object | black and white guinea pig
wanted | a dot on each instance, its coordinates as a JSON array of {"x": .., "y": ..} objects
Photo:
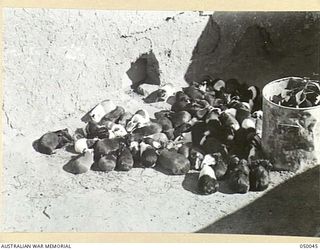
[
  {"x": 195, "y": 156},
  {"x": 124, "y": 118},
  {"x": 83, "y": 144},
  {"x": 207, "y": 182},
  {"x": 148, "y": 155}
]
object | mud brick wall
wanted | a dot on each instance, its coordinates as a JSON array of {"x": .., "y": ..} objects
[{"x": 62, "y": 62}]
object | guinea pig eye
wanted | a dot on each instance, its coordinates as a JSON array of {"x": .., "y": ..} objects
[{"x": 192, "y": 158}]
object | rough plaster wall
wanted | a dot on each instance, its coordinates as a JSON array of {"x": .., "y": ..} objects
[{"x": 58, "y": 62}]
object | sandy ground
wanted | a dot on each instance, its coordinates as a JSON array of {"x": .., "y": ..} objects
[{"x": 39, "y": 196}]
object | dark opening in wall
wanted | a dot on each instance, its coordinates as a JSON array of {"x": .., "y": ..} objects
[{"x": 144, "y": 70}]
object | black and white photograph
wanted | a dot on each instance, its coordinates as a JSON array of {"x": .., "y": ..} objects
[{"x": 161, "y": 121}]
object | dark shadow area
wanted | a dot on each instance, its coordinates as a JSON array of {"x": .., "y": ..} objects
[
  {"x": 208, "y": 40},
  {"x": 292, "y": 209},
  {"x": 95, "y": 167},
  {"x": 70, "y": 149},
  {"x": 257, "y": 47},
  {"x": 68, "y": 166},
  {"x": 35, "y": 145},
  {"x": 144, "y": 70},
  {"x": 86, "y": 118},
  {"x": 190, "y": 182},
  {"x": 224, "y": 187},
  {"x": 206, "y": 45},
  {"x": 161, "y": 170}
]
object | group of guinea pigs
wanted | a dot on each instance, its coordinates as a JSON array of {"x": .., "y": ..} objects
[{"x": 213, "y": 127}]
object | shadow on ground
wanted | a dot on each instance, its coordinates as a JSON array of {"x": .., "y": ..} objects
[
  {"x": 190, "y": 182},
  {"x": 291, "y": 209}
]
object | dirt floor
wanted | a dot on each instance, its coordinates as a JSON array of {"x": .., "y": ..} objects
[{"x": 39, "y": 196}]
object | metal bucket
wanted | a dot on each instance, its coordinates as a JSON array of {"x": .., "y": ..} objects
[{"x": 290, "y": 136}]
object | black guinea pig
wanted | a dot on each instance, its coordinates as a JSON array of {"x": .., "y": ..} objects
[
  {"x": 148, "y": 155},
  {"x": 239, "y": 182},
  {"x": 162, "y": 113},
  {"x": 105, "y": 146},
  {"x": 53, "y": 140},
  {"x": 94, "y": 130},
  {"x": 179, "y": 118},
  {"x": 232, "y": 87},
  {"x": 106, "y": 163},
  {"x": 212, "y": 145},
  {"x": 179, "y": 105},
  {"x": 259, "y": 175},
  {"x": 183, "y": 128},
  {"x": 165, "y": 123},
  {"x": 156, "y": 96},
  {"x": 173, "y": 162},
  {"x": 259, "y": 178},
  {"x": 193, "y": 92},
  {"x": 238, "y": 175},
  {"x": 125, "y": 159},
  {"x": 113, "y": 115},
  {"x": 220, "y": 168},
  {"x": 181, "y": 96},
  {"x": 242, "y": 141}
]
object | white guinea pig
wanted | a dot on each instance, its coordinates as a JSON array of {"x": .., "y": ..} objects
[{"x": 81, "y": 145}]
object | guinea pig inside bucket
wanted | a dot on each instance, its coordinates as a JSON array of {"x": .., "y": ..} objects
[{"x": 291, "y": 123}]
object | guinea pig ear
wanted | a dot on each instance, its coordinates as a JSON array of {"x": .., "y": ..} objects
[
  {"x": 254, "y": 91},
  {"x": 64, "y": 135},
  {"x": 67, "y": 135}
]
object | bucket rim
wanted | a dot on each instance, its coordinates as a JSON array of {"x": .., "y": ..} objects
[{"x": 280, "y": 106}]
